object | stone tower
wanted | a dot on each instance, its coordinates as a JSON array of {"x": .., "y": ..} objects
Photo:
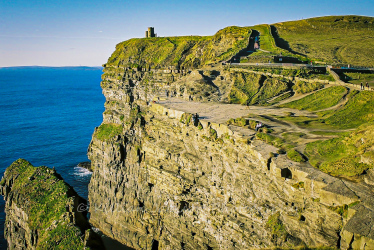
[{"x": 150, "y": 32}]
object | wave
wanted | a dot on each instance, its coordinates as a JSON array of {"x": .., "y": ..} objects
[{"x": 78, "y": 171}]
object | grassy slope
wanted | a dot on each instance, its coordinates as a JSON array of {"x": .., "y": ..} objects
[
  {"x": 187, "y": 51},
  {"x": 358, "y": 78},
  {"x": 333, "y": 39},
  {"x": 358, "y": 110},
  {"x": 250, "y": 88},
  {"x": 245, "y": 87},
  {"x": 43, "y": 197},
  {"x": 343, "y": 156},
  {"x": 322, "y": 99}
]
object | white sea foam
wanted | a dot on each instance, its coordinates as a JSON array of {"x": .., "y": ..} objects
[{"x": 81, "y": 171}]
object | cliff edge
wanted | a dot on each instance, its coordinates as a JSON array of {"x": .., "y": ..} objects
[
  {"x": 44, "y": 212},
  {"x": 165, "y": 178}
]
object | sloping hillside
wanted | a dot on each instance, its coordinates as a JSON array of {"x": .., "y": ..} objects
[
  {"x": 333, "y": 39},
  {"x": 187, "y": 51}
]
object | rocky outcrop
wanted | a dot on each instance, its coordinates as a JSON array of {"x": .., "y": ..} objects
[
  {"x": 164, "y": 179},
  {"x": 168, "y": 181},
  {"x": 44, "y": 212}
]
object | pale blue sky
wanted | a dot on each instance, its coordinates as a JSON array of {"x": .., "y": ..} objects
[{"x": 74, "y": 32}]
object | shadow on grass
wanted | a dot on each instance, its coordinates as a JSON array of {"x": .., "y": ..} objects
[{"x": 281, "y": 43}]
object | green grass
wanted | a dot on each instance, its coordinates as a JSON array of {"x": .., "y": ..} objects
[
  {"x": 276, "y": 227},
  {"x": 307, "y": 87},
  {"x": 271, "y": 87},
  {"x": 266, "y": 39},
  {"x": 293, "y": 137},
  {"x": 358, "y": 78},
  {"x": 307, "y": 73},
  {"x": 44, "y": 199},
  {"x": 241, "y": 122},
  {"x": 333, "y": 39},
  {"x": 267, "y": 43},
  {"x": 298, "y": 185},
  {"x": 306, "y": 122},
  {"x": 281, "y": 98},
  {"x": 296, "y": 156},
  {"x": 187, "y": 51},
  {"x": 274, "y": 140},
  {"x": 342, "y": 156},
  {"x": 337, "y": 133},
  {"x": 245, "y": 87},
  {"x": 250, "y": 88},
  {"x": 322, "y": 99},
  {"x": 358, "y": 110},
  {"x": 107, "y": 131}
]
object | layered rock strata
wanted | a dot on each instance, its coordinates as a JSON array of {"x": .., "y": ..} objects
[{"x": 165, "y": 180}]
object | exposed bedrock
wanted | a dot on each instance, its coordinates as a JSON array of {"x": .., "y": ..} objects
[
  {"x": 44, "y": 212},
  {"x": 163, "y": 180}
]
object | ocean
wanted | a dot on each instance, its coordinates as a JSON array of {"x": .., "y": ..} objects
[{"x": 47, "y": 117}]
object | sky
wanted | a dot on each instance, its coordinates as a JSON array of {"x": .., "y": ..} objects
[{"x": 85, "y": 32}]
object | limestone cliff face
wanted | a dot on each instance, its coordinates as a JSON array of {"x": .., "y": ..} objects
[
  {"x": 163, "y": 180},
  {"x": 43, "y": 212},
  {"x": 169, "y": 183}
]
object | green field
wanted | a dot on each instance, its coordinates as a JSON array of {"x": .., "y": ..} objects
[
  {"x": 186, "y": 51},
  {"x": 332, "y": 39},
  {"x": 321, "y": 99},
  {"x": 358, "y": 78},
  {"x": 343, "y": 156}
]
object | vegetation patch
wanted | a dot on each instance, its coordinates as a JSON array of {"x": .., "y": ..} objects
[
  {"x": 241, "y": 122},
  {"x": 273, "y": 140},
  {"x": 325, "y": 39},
  {"x": 296, "y": 156},
  {"x": 357, "y": 78},
  {"x": 298, "y": 185},
  {"x": 107, "y": 131},
  {"x": 358, "y": 110},
  {"x": 271, "y": 87},
  {"x": 45, "y": 198},
  {"x": 307, "y": 87},
  {"x": 343, "y": 210},
  {"x": 321, "y": 99},
  {"x": 186, "y": 118},
  {"x": 185, "y": 51},
  {"x": 246, "y": 85},
  {"x": 277, "y": 228},
  {"x": 343, "y": 156},
  {"x": 281, "y": 98}
]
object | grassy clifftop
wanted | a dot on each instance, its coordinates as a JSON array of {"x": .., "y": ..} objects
[
  {"x": 333, "y": 39},
  {"x": 48, "y": 204},
  {"x": 186, "y": 51}
]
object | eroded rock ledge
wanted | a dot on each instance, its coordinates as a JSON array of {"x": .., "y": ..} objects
[
  {"x": 162, "y": 180},
  {"x": 44, "y": 212},
  {"x": 171, "y": 183}
]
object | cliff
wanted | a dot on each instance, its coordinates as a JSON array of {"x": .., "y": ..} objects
[
  {"x": 43, "y": 212},
  {"x": 165, "y": 180}
]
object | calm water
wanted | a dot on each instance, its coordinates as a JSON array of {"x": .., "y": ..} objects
[{"x": 47, "y": 117}]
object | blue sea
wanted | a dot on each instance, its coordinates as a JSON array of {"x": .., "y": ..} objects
[{"x": 47, "y": 117}]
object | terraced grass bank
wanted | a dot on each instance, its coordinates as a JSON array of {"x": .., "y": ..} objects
[{"x": 43, "y": 212}]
